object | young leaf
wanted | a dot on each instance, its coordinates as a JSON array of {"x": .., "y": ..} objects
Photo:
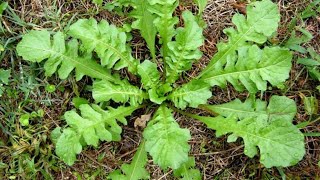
[
  {"x": 269, "y": 128},
  {"x": 164, "y": 22},
  {"x": 166, "y": 142},
  {"x": 122, "y": 92},
  {"x": 310, "y": 105},
  {"x": 308, "y": 62},
  {"x": 144, "y": 22},
  {"x": 279, "y": 107},
  {"x": 261, "y": 22},
  {"x": 185, "y": 49},
  {"x": 135, "y": 170},
  {"x": 150, "y": 76},
  {"x": 314, "y": 54},
  {"x": 156, "y": 97},
  {"x": 164, "y": 10},
  {"x": 192, "y": 94},
  {"x": 201, "y": 5},
  {"x": 187, "y": 171},
  {"x": 37, "y": 46},
  {"x": 3, "y": 7},
  {"x": 4, "y": 76},
  {"x": 77, "y": 101},
  {"x": 295, "y": 42},
  {"x": 68, "y": 146},
  {"x": 313, "y": 65},
  {"x": 107, "y": 41},
  {"x": 99, "y": 2},
  {"x": 311, "y": 9},
  {"x": 314, "y": 73},
  {"x": 93, "y": 125},
  {"x": 55, "y": 135},
  {"x": 252, "y": 69}
]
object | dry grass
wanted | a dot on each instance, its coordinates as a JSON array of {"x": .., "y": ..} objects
[{"x": 214, "y": 156}]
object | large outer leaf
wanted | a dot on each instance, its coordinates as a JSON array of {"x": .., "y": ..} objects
[
  {"x": 93, "y": 125},
  {"x": 262, "y": 21},
  {"x": 278, "y": 107},
  {"x": 144, "y": 22},
  {"x": 279, "y": 141},
  {"x": 185, "y": 49},
  {"x": 135, "y": 170},
  {"x": 107, "y": 41},
  {"x": 192, "y": 94},
  {"x": 122, "y": 92},
  {"x": 37, "y": 46},
  {"x": 252, "y": 69},
  {"x": 166, "y": 142},
  {"x": 269, "y": 128}
]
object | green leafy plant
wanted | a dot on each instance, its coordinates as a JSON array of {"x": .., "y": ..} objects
[
  {"x": 312, "y": 59},
  {"x": 3, "y": 7},
  {"x": 4, "y": 79},
  {"x": 99, "y": 50},
  {"x": 311, "y": 10},
  {"x": 299, "y": 36},
  {"x": 312, "y": 62}
]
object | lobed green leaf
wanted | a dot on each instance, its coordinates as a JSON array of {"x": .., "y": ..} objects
[
  {"x": 269, "y": 128},
  {"x": 261, "y": 22},
  {"x": 37, "y": 46},
  {"x": 164, "y": 22},
  {"x": 68, "y": 145},
  {"x": 121, "y": 92},
  {"x": 252, "y": 69},
  {"x": 107, "y": 41},
  {"x": 166, "y": 142},
  {"x": 279, "y": 107},
  {"x": 93, "y": 125},
  {"x": 185, "y": 49}
]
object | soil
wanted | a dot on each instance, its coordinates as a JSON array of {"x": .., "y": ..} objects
[{"x": 215, "y": 158}]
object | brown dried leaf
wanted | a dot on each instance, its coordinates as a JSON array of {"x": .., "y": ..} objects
[
  {"x": 142, "y": 121},
  {"x": 241, "y": 7}
]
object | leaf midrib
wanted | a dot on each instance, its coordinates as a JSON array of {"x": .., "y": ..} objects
[
  {"x": 187, "y": 92},
  {"x": 251, "y": 112},
  {"x": 137, "y": 162},
  {"x": 108, "y": 46},
  {"x": 104, "y": 120},
  {"x": 242, "y": 133},
  {"x": 72, "y": 60},
  {"x": 123, "y": 92},
  {"x": 243, "y": 71}
]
